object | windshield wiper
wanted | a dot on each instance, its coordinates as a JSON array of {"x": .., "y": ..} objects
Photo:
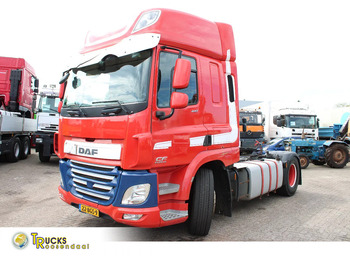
[
  {"x": 76, "y": 111},
  {"x": 110, "y": 110}
]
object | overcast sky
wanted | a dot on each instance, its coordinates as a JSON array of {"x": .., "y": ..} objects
[{"x": 286, "y": 50}]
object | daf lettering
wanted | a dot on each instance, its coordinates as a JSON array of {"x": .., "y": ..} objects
[{"x": 87, "y": 151}]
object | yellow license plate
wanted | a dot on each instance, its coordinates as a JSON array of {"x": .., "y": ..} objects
[{"x": 89, "y": 210}]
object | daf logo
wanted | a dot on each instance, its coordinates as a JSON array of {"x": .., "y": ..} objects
[{"x": 87, "y": 151}]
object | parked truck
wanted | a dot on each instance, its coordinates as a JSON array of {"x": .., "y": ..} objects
[
  {"x": 47, "y": 118},
  {"x": 289, "y": 120},
  {"x": 18, "y": 87},
  {"x": 251, "y": 128},
  {"x": 149, "y": 127}
]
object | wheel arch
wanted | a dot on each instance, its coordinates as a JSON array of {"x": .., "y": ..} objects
[
  {"x": 215, "y": 160},
  {"x": 286, "y": 157}
]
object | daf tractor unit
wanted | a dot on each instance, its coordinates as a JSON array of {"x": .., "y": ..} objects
[
  {"x": 149, "y": 127},
  {"x": 18, "y": 87},
  {"x": 47, "y": 118}
]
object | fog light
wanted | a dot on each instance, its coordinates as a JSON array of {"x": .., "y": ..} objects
[
  {"x": 132, "y": 217},
  {"x": 136, "y": 195}
]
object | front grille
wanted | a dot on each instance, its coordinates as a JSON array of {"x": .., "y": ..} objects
[
  {"x": 95, "y": 183},
  {"x": 51, "y": 128},
  {"x": 306, "y": 134}
]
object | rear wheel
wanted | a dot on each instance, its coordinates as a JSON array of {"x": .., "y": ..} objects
[
  {"x": 201, "y": 203},
  {"x": 304, "y": 161},
  {"x": 15, "y": 149},
  {"x": 337, "y": 155},
  {"x": 25, "y": 147},
  {"x": 290, "y": 179}
]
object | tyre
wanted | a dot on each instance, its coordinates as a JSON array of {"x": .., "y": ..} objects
[
  {"x": 304, "y": 161},
  {"x": 15, "y": 149},
  {"x": 25, "y": 148},
  {"x": 201, "y": 204},
  {"x": 291, "y": 178},
  {"x": 337, "y": 155},
  {"x": 42, "y": 158},
  {"x": 318, "y": 162}
]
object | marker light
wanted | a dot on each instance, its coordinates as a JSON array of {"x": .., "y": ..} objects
[
  {"x": 136, "y": 195},
  {"x": 146, "y": 19}
]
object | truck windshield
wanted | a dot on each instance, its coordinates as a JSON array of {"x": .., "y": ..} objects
[
  {"x": 114, "y": 80},
  {"x": 252, "y": 118},
  {"x": 299, "y": 121},
  {"x": 48, "y": 104}
]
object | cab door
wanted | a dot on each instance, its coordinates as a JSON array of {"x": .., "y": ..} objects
[{"x": 179, "y": 137}]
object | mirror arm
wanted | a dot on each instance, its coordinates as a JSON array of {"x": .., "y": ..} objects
[{"x": 161, "y": 115}]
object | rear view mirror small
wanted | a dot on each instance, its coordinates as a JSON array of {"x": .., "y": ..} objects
[{"x": 178, "y": 100}]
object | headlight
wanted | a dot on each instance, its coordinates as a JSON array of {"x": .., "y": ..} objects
[
  {"x": 146, "y": 19},
  {"x": 136, "y": 195},
  {"x": 39, "y": 140}
]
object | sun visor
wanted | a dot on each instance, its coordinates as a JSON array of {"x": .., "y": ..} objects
[{"x": 127, "y": 46}]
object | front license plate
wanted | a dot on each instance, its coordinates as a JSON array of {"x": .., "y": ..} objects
[{"x": 89, "y": 210}]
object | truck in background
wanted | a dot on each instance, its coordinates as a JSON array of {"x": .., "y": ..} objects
[
  {"x": 251, "y": 128},
  {"x": 47, "y": 118},
  {"x": 18, "y": 87},
  {"x": 149, "y": 127},
  {"x": 295, "y": 120}
]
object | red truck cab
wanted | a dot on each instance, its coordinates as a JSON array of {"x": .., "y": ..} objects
[
  {"x": 149, "y": 125},
  {"x": 18, "y": 85}
]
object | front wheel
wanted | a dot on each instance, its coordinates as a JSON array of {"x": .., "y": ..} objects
[
  {"x": 304, "y": 161},
  {"x": 201, "y": 203},
  {"x": 42, "y": 157},
  {"x": 291, "y": 178}
]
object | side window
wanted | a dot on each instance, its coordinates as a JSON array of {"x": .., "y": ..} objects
[{"x": 165, "y": 75}]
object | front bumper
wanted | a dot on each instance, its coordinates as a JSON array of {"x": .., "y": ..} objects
[
  {"x": 150, "y": 216},
  {"x": 103, "y": 187}
]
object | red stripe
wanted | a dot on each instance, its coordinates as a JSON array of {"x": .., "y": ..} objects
[
  {"x": 270, "y": 175},
  {"x": 277, "y": 175}
]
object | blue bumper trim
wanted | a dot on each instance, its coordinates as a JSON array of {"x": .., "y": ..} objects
[{"x": 106, "y": 187}]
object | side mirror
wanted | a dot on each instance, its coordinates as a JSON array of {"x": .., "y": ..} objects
[
  {"x": 178, "y": 100},
  {"x": 36, "y": 83},
  {"x": 244, "y": 124},
  {"x": 281, "y": 122},
  {"x": 64, "y": 78},
  {"x": 182, "y": 73},
  {"x": 275, "y": 118},
  {"x": 62, "y": 89}
]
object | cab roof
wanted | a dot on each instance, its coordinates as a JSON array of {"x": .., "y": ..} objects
[{"x": 176, "y": 29}]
